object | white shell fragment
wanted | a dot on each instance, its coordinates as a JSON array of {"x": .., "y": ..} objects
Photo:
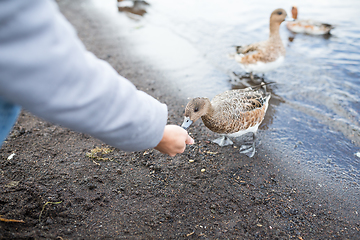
[{"x": 11, "y": 156}]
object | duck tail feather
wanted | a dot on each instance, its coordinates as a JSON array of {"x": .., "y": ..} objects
[{"x": 238, "y": 49}]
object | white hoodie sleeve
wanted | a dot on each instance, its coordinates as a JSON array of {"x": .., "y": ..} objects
[{"x": 45, "y": 68}]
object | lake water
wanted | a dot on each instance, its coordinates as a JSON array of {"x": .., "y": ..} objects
[{"x": 313, "y": 122}]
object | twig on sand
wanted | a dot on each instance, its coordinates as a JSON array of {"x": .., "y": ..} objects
[
  {"x": 42, "y": 210},
  {"x": 96, "y": 163},
  {"x": 11, "y": 220}
]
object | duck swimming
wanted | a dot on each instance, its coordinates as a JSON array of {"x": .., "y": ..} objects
[
  {"x": 232, "y": 113},
  {"x": 307, "y": 26},
  {"x": 264, "y": 56}
]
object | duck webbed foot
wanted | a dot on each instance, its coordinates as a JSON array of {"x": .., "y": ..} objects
[
  {"x": 248, "y": 148},
  {"x": 251, "y": 76},
  {"x": 223, "y": 141}
]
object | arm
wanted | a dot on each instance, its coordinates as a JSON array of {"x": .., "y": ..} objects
[{"x": 46, "y": 69}]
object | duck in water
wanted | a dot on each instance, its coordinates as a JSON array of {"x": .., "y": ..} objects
[
  {"x": 307, "y": 26},
  {"x": 267, "y": 55}
]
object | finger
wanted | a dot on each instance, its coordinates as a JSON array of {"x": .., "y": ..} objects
[{"x": 189, "y": 140}]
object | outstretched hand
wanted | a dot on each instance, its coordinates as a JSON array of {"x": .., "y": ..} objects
[{"x": 174, "y": 140}]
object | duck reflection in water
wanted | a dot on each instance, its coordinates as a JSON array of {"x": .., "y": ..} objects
[{"x": 136, "y": 7}]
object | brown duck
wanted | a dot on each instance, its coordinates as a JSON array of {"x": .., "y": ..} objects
[
  {"x": 231, "y": 114},
  {"x": 267, "y": 55}
]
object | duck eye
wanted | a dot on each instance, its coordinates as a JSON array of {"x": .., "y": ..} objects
[
  {"x": 279, "y": 12},
  {"x": 196, "y": 110}
]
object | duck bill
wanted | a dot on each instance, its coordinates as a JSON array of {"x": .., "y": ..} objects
[{"x": 187, "y": 123}]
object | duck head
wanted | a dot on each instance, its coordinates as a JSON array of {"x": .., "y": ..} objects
[
  {"x": 276, "y": 18},
  {"x": 194, "y": 110},
  {"x": 294, "y": 12}
]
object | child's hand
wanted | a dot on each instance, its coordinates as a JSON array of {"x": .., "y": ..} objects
[{"x": 174, "y": 140}]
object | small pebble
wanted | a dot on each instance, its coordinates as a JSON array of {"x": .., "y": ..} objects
[
  {"x": 203, "y": 170},
  {"x": 191, "y": 160},
  {"x": 92, "y": 186}
]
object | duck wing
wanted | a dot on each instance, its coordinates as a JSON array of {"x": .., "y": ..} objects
[
  {"x": 236, "y": 110},
  {"x": 235, "y": 103},
  {"x": 248, "y": 48},
  {"x": 253, "y": 53}
]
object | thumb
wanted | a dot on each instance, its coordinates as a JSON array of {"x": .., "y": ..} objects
[{"x": 189, "y": 140}]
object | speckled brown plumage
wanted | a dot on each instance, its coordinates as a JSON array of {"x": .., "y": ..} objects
[{"x": 231, "y": 111}]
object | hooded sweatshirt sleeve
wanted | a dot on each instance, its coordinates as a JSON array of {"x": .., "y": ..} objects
[{"x": 46, "y": 69}]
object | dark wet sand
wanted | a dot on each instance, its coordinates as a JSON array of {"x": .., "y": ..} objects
[{"x": 147, "y": 195}]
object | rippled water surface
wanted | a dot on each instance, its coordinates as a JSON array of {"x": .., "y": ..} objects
[{"x": 314, "y": 117}]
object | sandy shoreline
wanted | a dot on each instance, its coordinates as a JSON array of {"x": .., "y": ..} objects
[{"x": 146, "y": 195}]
